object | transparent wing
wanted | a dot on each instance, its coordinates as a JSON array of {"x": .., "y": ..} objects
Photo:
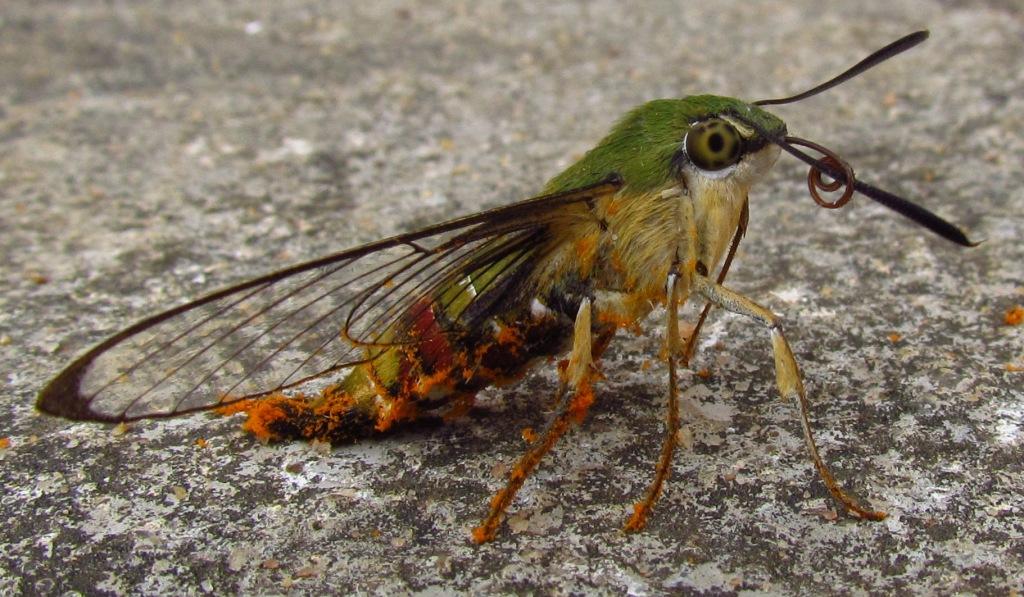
[{"x": 291, "y": 326}]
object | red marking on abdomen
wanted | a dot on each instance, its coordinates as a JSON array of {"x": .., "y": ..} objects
[{"x": 430, "y": 344}]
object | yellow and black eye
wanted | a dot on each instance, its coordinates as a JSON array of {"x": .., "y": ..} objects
[{"x": 713, "y": 144}]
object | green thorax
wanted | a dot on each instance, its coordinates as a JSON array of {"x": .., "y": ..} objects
[{"x": 641, "y": 145}]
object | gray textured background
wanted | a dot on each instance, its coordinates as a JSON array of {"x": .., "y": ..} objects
[{"x": 150, "y": 152}]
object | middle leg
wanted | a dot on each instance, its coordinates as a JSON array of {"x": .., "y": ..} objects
[{"x": 642, "y": 509}]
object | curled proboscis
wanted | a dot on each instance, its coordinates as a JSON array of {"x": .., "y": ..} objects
[{"x": 832, "y": 166}]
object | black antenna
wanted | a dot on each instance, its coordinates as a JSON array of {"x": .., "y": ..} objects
[
  {"x": 897, "y": 47},
  {"x": 841, "y": 172}
]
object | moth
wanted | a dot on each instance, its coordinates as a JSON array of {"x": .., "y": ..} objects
[{"x": 367, "y": 340}]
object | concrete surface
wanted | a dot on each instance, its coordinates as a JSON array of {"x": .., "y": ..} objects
[{"x": 150, "y": 152}]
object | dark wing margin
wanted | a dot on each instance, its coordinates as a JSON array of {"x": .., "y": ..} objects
[{"x": 289, "y": 327}]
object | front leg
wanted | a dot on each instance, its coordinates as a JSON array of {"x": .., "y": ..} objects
[{"x": 787, "y": 377}]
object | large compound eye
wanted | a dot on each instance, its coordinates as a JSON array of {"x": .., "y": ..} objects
[{"x": 713, "y": 144}]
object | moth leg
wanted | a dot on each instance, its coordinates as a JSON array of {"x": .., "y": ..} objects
[
  {"x": 642, "y": 509},
  {"x": 741, "y": 230},
  {"x": 787, "y": 377},
  {"x": 574, "y": 396}
]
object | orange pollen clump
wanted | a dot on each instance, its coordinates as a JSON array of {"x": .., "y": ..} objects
[
  {"x": 398, "y": 409},
  {"x": 482, "y": 535},
  {"x": 895, "y": 337},
  {"x": 5, "y": 442},
  {"x": 509, "y": 335},
  {"x": 581, "y": 402},
  {"x": 639, "y": 518},
  {"x": 261, "y": 415},
  {"x": 428, "y": 383},
  {"x": 529, "y": 436},
  {"x": 1014, "y": 316}
]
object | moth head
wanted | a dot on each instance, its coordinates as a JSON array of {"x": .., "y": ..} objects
[{"x": 740, "y": 141}]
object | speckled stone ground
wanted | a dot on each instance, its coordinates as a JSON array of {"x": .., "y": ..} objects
[{"x": 150, "y": 152}]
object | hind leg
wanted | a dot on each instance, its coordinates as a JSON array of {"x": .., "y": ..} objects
[{"x": 574, "y": 396}]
